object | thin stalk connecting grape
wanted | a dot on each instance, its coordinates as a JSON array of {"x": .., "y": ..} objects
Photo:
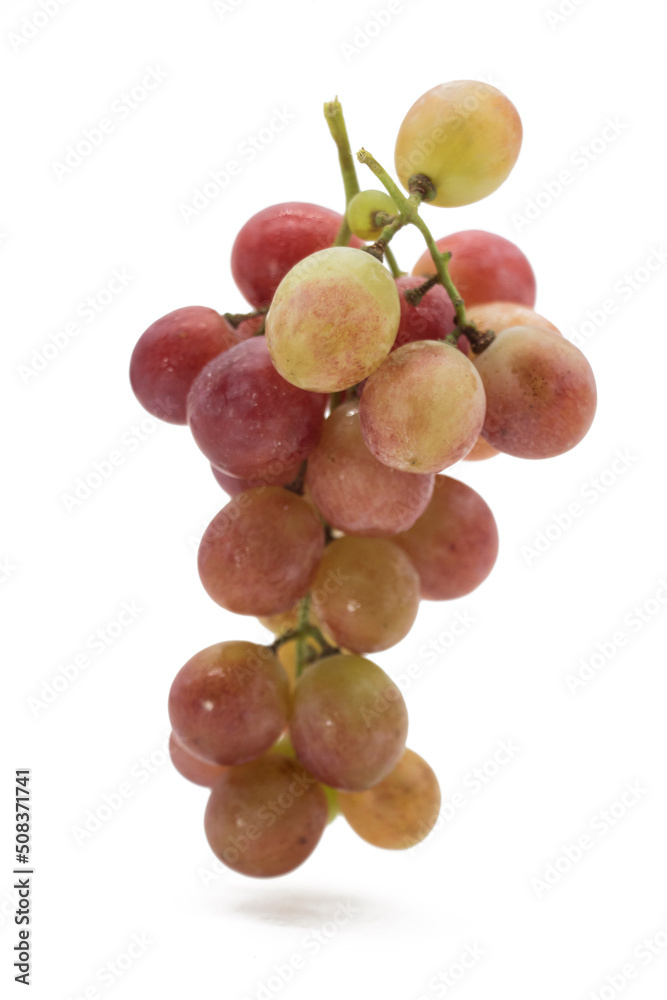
[
  {"x": 333, "y": 113},
  {"x": 409, "y": 213}
]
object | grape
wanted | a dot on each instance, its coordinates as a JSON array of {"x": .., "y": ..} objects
[
  {"x": 399, "y": 811},
  {"x": 499, "y": 316},
  {"x": 250, "y": 422},
  {"x": 230, "y": 702},
  {"x": 366, "y": 593},
  {"x": 481, "y": 450},
  {"x": 349, "y": 722},
  {"x": 454, "y": 544},
  {"x": 465, "y": 136},
  {"x": 362, "y": 210},
  {"x": 266, "y": 817},
  {"x": 195, "y": 769},
  {"x": 170, "y": 354},
  {"x": 333, "y": 320},
  {"x": 274, "y": 240},
  {"x": 354, "y": 492},
  {"x": 484, "y": 268},
  {"x": 260, "y": 552},
  {"x": 423, "y": 409},
  {"x": 432, "y": 319},
  {"x": 540, "y": 393},
  {"x": 234, "y": 486}
]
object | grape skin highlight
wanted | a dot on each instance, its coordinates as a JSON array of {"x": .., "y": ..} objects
[{"x": 349, "y": 722}]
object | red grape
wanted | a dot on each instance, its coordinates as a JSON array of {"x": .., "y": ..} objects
[
  {"x": 274, "y": 240},
  {"x": 170, "y": 354},
  {"x": 540, "y": 393},
  {"x": 354, "y": 492},
  {"x": 485, "y": 268},
  {"x": 230, "y": 702},
  {"x": 260, "y": 552},
  {"x": 365, "y": 593},
  {"x": 432, "y": 319},
  {"x": 266, "y": 817},
  {"x": 454, "y": 544},
  {"x": 349, "y": 722},
  {"x": 248, "y": 420}
]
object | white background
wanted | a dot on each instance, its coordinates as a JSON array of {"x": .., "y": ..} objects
[{"x": 147, "y": 870}]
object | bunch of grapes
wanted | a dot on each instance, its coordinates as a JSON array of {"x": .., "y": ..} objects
[{"x": 328, "y": 414}]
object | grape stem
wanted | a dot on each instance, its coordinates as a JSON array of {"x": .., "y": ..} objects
[
  {"x": 235, "y": 319},
  {"x": 409, "y": 213},
  {"x": 333, "y": 112},
  {"x": 303, "y": 631}
]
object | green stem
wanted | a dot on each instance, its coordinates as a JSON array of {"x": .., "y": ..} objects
[
  {"x": 391, "y": 260},
  {"x": 333, "y": 112},
  {"x": 409, "y": 213}
]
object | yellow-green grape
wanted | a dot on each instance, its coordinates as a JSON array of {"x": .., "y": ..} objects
[
  {"x": 362, "y": 210},
  {"x": 465, "y": 136},
  {"x": 333, "y": 319},
  {"x": 398, "y": 812}
]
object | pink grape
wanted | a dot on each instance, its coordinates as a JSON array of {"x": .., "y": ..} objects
[
  {"x": 465, "y": 136},
  {"x": 349, "y": 722},
  {"x": 423, "y": 409},
  {"x": 277, "y": 238},
  {"x": 454, "y": 544},
  {"x": 250, "y": 422},
  {"x": 265, "y": 818},
  {"x": 499, "y": 316},
  {"x": 365, "y": 593},
  {"x": 354, "y": 492},
  {"x": 170, "y": 354},
  {"x": 259, "y": 554},
  {"x": 484, "y": 268},
  {"x": 540, "y": 392},
  {"x": 230, "y": 702}
]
